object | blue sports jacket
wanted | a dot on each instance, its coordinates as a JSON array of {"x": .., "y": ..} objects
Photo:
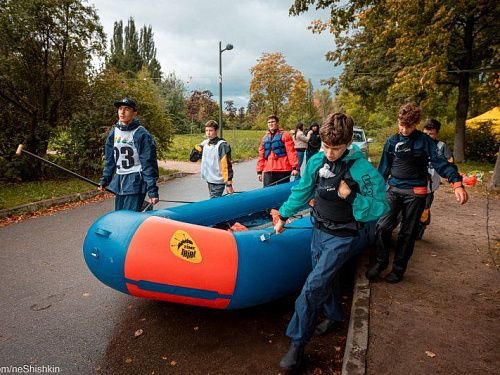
[
  {"x": 138, "y": 182},
  {"x": 422, "y": 146}
]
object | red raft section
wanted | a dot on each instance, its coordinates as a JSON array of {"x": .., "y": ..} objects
[{"x": 183, "y": 263}]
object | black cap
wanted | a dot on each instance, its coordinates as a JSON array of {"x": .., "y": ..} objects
[{"x": 126, "y": 102}]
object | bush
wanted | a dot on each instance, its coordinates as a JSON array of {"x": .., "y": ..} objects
[{"x": 481, "y": 144}]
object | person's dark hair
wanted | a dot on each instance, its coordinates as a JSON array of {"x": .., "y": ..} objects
[
  {"x": 212, "y": 124},
  {"x": 409, "y": 114},
  {"x": 299, "y": 126},
  {"x": 313, "y": 125},
  {"x": 432, "y": 123},
  {"x": 337, "y": 129},
  {"x": 273, "y": 117}
]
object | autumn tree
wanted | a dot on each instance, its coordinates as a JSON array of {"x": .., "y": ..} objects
[
  {"x": 272, "y": 81},
  {"x": 422, "y": 51},
  {"x": 324, "y": 102},
  {"x": 300, "y": 105},
  {"x": 201, "y": 107}
]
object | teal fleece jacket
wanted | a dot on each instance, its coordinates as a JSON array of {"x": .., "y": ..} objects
[{"x": 369, "y": 203}]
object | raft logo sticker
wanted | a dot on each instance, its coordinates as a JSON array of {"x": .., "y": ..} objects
[{"x": 184, "y": 247}]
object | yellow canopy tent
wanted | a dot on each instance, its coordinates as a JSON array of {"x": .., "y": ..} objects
[{"x": 492, "y": 116}]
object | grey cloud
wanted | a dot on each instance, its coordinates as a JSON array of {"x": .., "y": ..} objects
[{"x": 187, "y": 35}]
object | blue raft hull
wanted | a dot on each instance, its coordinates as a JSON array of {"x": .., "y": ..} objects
[{"x": 177, "y": 254}]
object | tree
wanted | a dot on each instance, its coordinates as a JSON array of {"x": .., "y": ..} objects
[
  {"x": 422, "y": 50},
  {"x": 130, "y": 51},
  {"x": 272, "y": 82},
  {"x": 324, "y": 102},
  {"x": 173, "y": 91},
  {"x": 148, "y": 52},
  {"x": 230, "y": 112},
  {"x": 116, "y": 58},
  {"x": 46, "y": 50},
  {"x": 82, "y": 143},
  {"x": 201, "y": 107}
]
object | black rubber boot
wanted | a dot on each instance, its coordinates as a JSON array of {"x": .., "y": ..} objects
[
  {"x": 394, "y": 277},
  {"x": 375, "y": 271},
  {"x": 327, "y": 326},
  {"x": 293, "y": 358}
]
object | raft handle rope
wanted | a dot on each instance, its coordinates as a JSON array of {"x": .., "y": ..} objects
[{"x": 267, "y": 236}]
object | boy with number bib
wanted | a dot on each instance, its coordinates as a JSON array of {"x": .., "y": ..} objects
[
  {"x": 131, "y": 169},
  {"x": 216, "y": 166}
]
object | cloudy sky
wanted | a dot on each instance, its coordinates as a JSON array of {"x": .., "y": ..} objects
[{"x": 187, "y": 35}]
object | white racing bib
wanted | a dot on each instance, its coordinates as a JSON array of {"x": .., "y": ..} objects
[{"x": 126, "y": 154}]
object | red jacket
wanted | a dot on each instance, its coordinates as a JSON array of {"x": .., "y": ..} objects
[{"x": 273, "y": 163}]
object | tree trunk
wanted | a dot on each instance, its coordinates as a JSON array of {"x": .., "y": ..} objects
[
  {"x": 495, "y": 180},
  {"x": 461, "y": 111},
  {"x": 462, "y": 106}
]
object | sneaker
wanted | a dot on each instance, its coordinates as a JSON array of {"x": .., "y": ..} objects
[
  {"x": 393, "y": 277},
  {"x": 293, "y": 358},
  {"x": 327, "y": 326},
  {"x": 375, "y": 271}
]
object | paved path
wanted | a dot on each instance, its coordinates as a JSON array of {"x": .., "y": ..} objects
[
  {"x": 444, "y": 317},
  {"x": 53, "y": 312}
]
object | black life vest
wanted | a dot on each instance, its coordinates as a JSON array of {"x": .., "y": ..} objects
[
  {"x": 409, "y": 163},
  {"x": 332, "y": 213},
  {"x": 314, "y": 142},
  {"x": 275, "y": 144}
]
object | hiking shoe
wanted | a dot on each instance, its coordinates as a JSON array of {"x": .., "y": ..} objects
[
  {"x": 293, "y": 358},
  {"x": 375, "y": 271},
  {"x": 327, "y": 326},
  {"x": 393, "y": 277}
]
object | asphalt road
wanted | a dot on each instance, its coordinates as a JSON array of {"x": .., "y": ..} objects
[{"x": 53, "y": 312}]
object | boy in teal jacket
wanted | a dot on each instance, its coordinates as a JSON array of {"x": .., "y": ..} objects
[{"x": 347, "y": 191}]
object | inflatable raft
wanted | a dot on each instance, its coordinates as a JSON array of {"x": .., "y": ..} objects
[{"x": 185, "y": 254}]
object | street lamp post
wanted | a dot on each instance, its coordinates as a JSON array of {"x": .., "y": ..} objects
[{"x": 228, "y": 47}]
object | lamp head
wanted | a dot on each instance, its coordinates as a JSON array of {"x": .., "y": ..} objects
[{"x": 229, "y": 47}]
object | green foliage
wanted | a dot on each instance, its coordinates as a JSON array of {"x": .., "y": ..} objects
[
  {"x": 130, "y": 51},
  {"x": 12, "y": 195},
  {"x": 173, "y": 91},
  {"x": 46, "y": 49},
  {"x": 425, "y": 51},
  {"x": 244, "y": 144},
  {"x": 81, "y": 144},
  {"x": 482, "y": 144}
]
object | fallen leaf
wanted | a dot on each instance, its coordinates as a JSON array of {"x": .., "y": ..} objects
[
  {"x": 138, "y": 332},
  {"x": 430, "y": 354},
  {"x": 196, "y": 328},
  {"x": 164, "y": 358},
  {"x": 143, "y": 319},
  {"x": 337, "y": 348},
  {"x": 86, "y": 294},
  {"x": 173, "y": 363},
  {"x": 128, "y": 360}
]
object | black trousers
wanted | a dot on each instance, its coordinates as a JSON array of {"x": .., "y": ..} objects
[
  {"x": 270, "y": 177},
  {"x": 410, "y": 206}
]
